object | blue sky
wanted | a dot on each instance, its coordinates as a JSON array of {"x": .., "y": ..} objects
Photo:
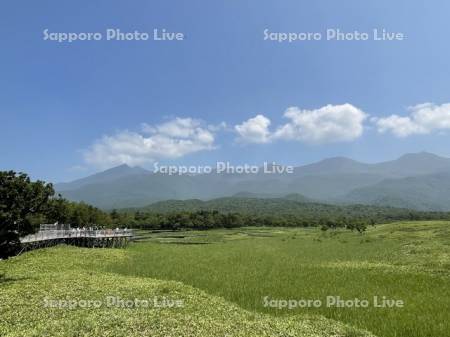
[{"x": 70, "y": 109}]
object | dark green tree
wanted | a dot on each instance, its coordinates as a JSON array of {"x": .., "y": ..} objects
[
  {"x": 21, "y": 200},
  {"x": 58, "y": 210}
]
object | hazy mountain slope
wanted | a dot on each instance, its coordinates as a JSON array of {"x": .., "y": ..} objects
[
  {"x": 428, "y": 192},
  {"x": 334, "y": 165},
  {"x": 328, "y": 187},
  {"x": 332, "y": 180},
  {"x": 133, "y": 191},
  {"x": 410, "y": 164},
  {"x": 109, "y": 175},
  {"x": 413, "y": 164}
]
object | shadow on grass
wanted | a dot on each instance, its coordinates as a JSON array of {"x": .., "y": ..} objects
[{"x": 6, "y": 279}]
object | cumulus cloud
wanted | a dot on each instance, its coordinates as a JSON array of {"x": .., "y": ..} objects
[
  {"x": 254, "y": 130},
  {"x": 423, "y": 119},
  {"x": 169, "y": 140},
  {"x": 331, "y": 123},
  {"x": 399, "y": 126}
]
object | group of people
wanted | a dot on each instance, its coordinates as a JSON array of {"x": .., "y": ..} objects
[{"x": 95, "y": 230}]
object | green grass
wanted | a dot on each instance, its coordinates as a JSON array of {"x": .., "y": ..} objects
[
  {"x": 69, "y": 273},
  {"x": 223, "y": 275},
  {"x": 405, "y": 261}
]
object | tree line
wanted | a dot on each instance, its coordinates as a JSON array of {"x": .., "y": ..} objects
[
  {"x": 25, "y": 204},
  {"x": 210, "y": 219}
]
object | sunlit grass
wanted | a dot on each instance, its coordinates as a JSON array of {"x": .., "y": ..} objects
[
  {"x": 69, "y": 273},
  {"x": 406, "y": 261}
]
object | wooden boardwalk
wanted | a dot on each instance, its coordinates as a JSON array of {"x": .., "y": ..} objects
[
  {"x": 79, "y": 237},
  {"x": 76, "y": 233}
]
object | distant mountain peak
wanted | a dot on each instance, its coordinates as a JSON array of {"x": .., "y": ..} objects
[
  {"x": 332, "y": 165},
  {"x": 124, "y": 168},
  {"x": 424, "y": 159},
  {"x": 105, "y": 176},
  {"x": 421, "y": 155},
  {"x": 331, "y": 179},
  {"x": 340, "y": 160}
]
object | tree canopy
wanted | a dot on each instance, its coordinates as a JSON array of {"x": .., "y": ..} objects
[
  {"x": 25, "y": 204},
  {"x": 20, "y": 201}
]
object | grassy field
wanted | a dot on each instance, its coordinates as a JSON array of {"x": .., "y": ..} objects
[
  {"x": 222, "y": 277},
  {"x": 30, "y": 285},
  {"x": 402, "y": 261}
]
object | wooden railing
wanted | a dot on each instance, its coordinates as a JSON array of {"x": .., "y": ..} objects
[{"x": 76, "y": 233}]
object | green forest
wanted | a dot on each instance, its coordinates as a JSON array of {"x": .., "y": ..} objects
[{"x": 24, "y": 204}]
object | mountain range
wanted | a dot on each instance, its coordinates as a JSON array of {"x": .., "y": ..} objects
[{"x": 418, "y": 181}]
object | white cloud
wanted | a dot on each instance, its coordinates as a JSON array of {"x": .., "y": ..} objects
[
  {"x": 254, "y": 130},
  {"x": 423, "y": 119},
  {"x": 329, "y": 124},
  {"x": 399, "y": 126},
  {"x": 173, "y": 139}
]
